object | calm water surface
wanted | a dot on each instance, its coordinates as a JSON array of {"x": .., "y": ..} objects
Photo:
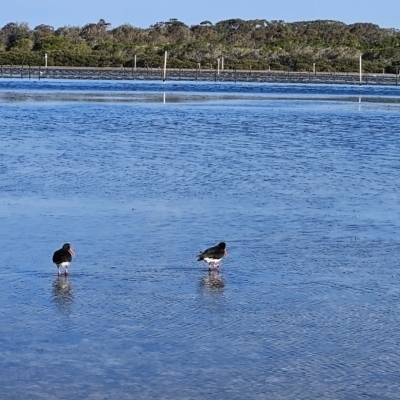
[{"x": 304, "y": 191}]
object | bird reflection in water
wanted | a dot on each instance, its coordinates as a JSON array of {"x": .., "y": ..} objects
[
  {"x": 62, "y": 294},
  {"x": 212, "y": 293},
  {"x": 213, "y": 281}
]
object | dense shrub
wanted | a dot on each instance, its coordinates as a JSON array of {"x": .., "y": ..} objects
[{"x": 257, "y": 44}]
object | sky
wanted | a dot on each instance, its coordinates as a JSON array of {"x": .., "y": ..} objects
[{"x": 143, "y": 13}]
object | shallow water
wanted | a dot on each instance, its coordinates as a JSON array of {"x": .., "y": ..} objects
[{"x": 305, "y": 193}]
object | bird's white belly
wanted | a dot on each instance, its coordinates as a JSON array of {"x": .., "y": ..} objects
[
  {"x": 64, "y": 264},
  {"x": 212, "y": 260}
]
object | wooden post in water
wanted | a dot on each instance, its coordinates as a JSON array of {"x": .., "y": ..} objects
[
  {"x": 314, "y": 69},
  {"x": 45, "y": 60},
  {"x": 165, "y": 67},
  {"x": 218, "y": 60},
  {"x": 134, "y": 63},
  {"x": 360, "y": 69},
  {"x": 39, "y": 73}
]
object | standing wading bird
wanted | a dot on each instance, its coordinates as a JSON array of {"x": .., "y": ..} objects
[
  {"x": 63, "y": 257},
  {"x": 213, "y": 255}
]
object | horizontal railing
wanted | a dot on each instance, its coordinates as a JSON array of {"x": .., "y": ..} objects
[{"x": 174, "y": 74}]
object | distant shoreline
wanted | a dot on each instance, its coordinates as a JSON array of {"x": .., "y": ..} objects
[{"x": 202, "y": 75}]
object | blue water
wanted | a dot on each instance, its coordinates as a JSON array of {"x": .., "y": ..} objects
[
  {"x": 305, "y": 192},
  {"x": 248, "y": 88}
]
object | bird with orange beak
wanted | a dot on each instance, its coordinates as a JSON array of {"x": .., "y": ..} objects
[{"x": 63, "y": 257}]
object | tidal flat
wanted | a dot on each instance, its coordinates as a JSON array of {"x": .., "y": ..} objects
[{"x": 302, "y": 183}]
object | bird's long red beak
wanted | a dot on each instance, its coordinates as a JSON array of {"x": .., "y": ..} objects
[{"x": 71, "y": 252}]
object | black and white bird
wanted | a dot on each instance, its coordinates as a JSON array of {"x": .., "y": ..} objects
[
  {"x": 63, "y": 257},
  {"x": 213, "y": 255}
]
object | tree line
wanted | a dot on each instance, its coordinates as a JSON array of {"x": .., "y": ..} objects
[{"x": 257, "y": 44}]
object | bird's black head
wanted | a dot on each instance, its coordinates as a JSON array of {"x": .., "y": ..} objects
[
  {"x": 67, "y": 247},
  {"x": 222, "y": 245}
]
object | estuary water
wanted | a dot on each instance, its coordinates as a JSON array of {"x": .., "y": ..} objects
[{"x": 302, "y": 183}]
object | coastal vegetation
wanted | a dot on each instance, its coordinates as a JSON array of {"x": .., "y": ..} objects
[{"x": 255, "y": 44}]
